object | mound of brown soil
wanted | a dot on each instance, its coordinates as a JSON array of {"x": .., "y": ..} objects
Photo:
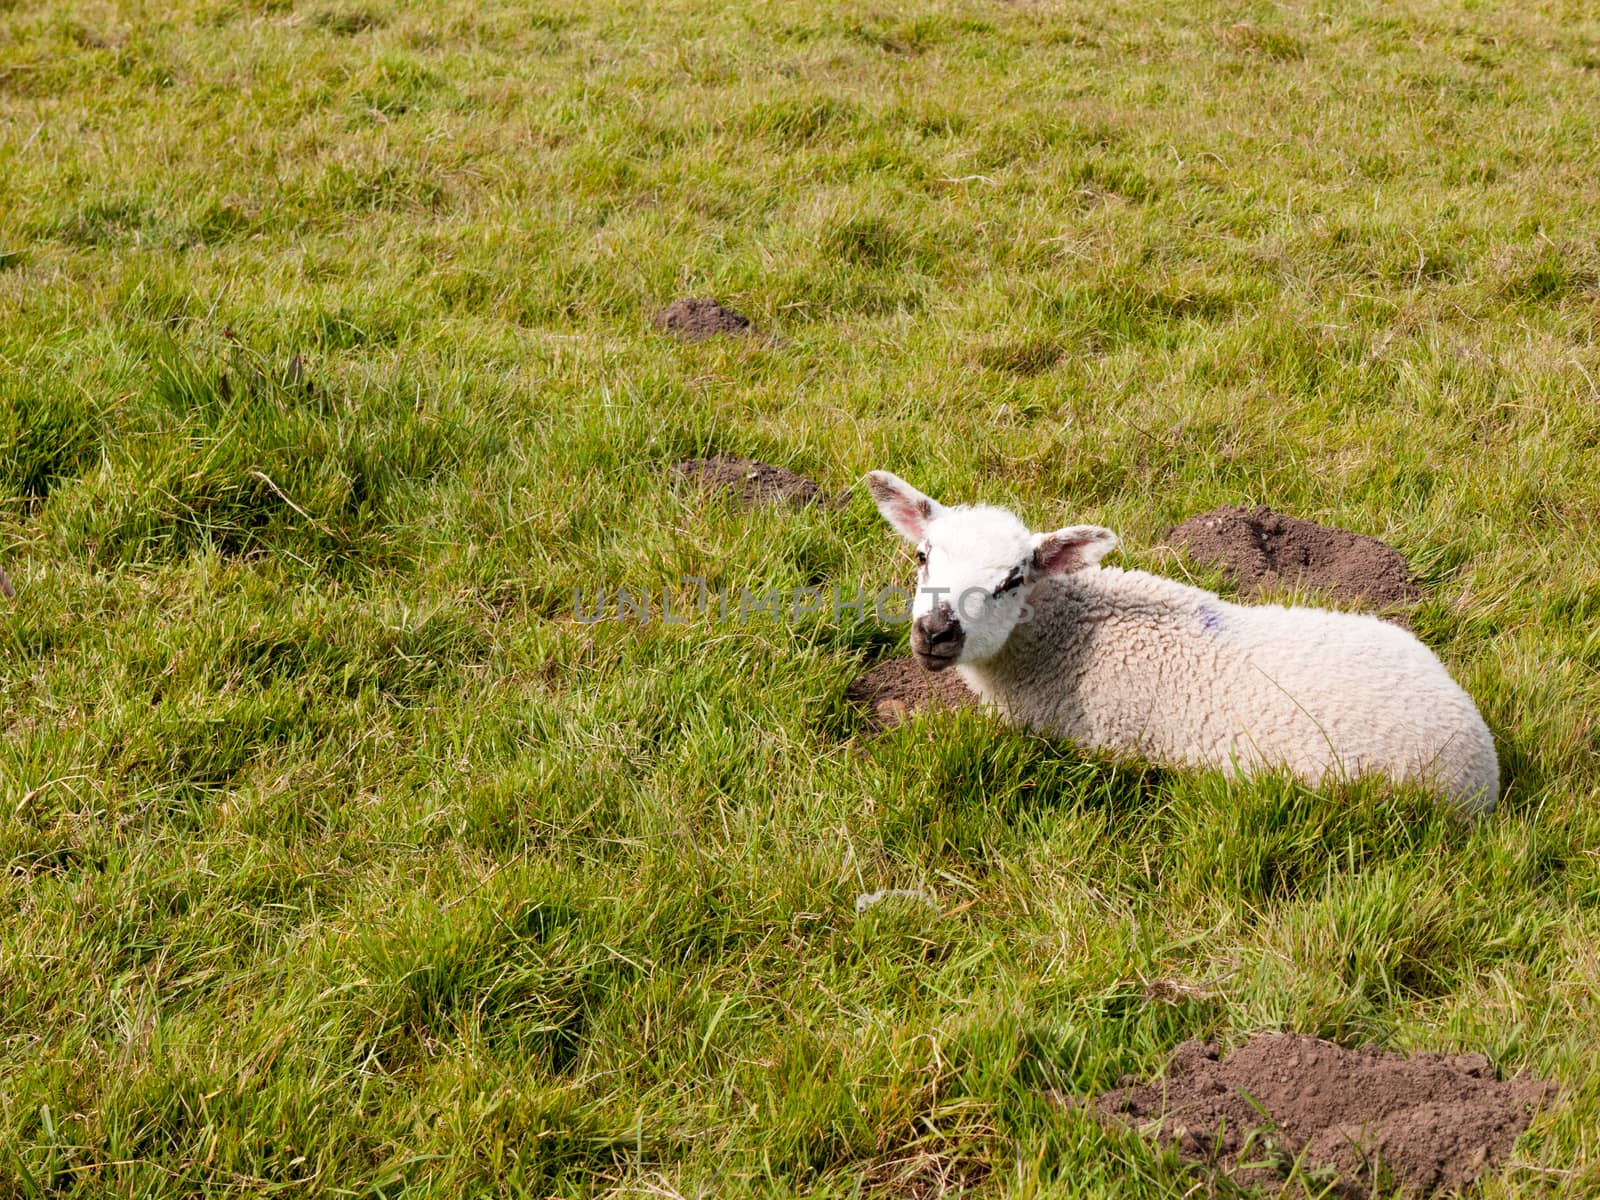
[
  {"x": 1431, "y": 1122},
  {"x": 896, "y": 690},
  {"x": 695, "y": 320},
  {"x": 1260, "y": 547},
  {"x": 751, "y": 481}
]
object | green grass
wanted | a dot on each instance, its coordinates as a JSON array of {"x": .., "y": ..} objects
[{"x": 342, "y": 861}]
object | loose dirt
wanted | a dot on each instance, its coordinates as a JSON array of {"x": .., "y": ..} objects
[
  {"x": 1259, "y": 547},
  {"x": 895, "y": 691},
  {"x": 1431, "y": 1122},
  {"x": 751, "y": 481},
  {"x": 695, "y": 320}
]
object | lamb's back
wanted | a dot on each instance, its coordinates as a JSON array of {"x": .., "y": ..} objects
[{"x": 1135, "y": 662}]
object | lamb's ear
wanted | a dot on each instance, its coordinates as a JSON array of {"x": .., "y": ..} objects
[
  {"x": 907, "y": 509},
  {"x": 1072, "y": 548}
]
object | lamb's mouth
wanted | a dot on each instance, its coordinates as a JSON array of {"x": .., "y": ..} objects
[{"x": 936, "y": 662}]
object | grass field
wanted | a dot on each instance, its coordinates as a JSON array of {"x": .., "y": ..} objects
[{"x": 341, "y": 860}]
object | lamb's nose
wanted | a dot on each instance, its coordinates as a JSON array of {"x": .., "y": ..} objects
[{"x": 938, "y": 629}]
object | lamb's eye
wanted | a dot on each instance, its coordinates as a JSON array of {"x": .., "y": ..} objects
[
  {"x": 1012, "y": 582},
  {"x": 922, "y": 558}
]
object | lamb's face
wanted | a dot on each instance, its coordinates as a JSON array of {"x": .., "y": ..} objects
[{"x": 975, "y": 568}]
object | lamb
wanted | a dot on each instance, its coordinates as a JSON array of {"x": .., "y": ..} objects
[{"x": 1133, "y": 662}]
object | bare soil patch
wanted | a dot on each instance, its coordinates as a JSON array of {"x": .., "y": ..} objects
[
  {"x": 896, "y": 690},
  {"x": 1259, "y": 548},
  {"x": 695, "y": 320},
  {"x": 751, "y": 481},
  {"x": 1431, "y": 1122}
]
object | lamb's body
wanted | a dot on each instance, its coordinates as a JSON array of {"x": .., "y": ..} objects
[{"x": 1131, "y": 661}]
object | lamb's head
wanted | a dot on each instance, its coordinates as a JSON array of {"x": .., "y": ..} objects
[{"x": 975, "y": 569}]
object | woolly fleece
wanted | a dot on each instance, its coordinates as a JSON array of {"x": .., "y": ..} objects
[{"x": 1130, "y": 661}]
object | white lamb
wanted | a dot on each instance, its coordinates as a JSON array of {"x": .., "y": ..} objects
[{"x": 1129, "y": 661}]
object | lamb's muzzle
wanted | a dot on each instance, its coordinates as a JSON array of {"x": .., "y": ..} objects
[{"x": 937, "y": 638}]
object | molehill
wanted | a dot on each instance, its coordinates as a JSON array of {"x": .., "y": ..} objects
[{"x": 1431, "y": 1122}]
